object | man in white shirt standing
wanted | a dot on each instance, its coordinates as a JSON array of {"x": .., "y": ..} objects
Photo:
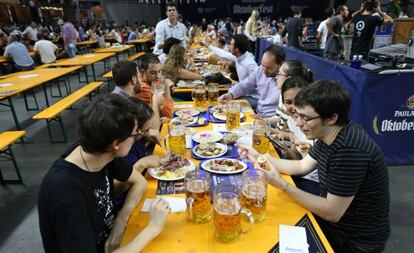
[
  {"x": 32, "y": 31},
  {"x": 323, "y": 29},
  {"x": 169, "y": 27},
  {"x": 46, "y": 49}
]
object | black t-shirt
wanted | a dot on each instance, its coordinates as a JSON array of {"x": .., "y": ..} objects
[
  {"x": 294, "y": 29},
  {"x": 76, "y": 210},
  {"x": 364, "y": 28},
  {"x": 353, "y": 165}
]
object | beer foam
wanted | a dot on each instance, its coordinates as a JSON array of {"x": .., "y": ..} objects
[
  {"x": 227, "y": 206},
  {"x": 254, "y": 191},
  {"x": 196, "y": 186}
]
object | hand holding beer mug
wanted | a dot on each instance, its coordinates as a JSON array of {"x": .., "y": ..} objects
[
  {"x": 254, "y": 193},
  {"x": 175, "y": 138},
  {"x": 232, "y": 116},
  {"x": 213, "y": 93},
  {"x": 199, "y": 97},
  {"x": 260, "y": 140},
  {"x": 227, "y": 214},
  {"x": 197, "y": 196}
]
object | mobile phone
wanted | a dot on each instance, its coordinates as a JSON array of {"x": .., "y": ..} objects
[{"x": 276, "y": 142}]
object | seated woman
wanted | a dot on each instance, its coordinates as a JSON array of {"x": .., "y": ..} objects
[{"x": 174, "y": 66}]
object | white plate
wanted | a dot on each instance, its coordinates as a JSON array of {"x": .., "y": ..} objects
[
  {"x": 188, "y": 111},
  {"x": 223, "y": 117},
  {"x": 218, "y": 145},
  {"x": 205, "y": 166},
  {"x": 153, "y": 172},
  {"x": 207, "y": 136},
  {"x": 192, "y": 122}
]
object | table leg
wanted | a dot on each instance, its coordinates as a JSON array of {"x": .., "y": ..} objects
[
  {"x": 16, "y": 121},
  {"x": 86, "y": 73},
  {"x": 93, "y": 71},
  {"x": 45, "y": 92}
]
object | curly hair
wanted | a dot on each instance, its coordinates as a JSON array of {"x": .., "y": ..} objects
[{"x": 174, "y": 62}]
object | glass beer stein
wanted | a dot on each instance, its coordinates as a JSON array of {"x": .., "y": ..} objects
[
  {"x": 260, "y": 140},
  {"x": 232, "y": 116},
  {"x": 197, "y": 196},
  {"x": 199, "y": 97},
  {"x": 213, "y": 93},
  {"x": 254, "y": 193},
  {"x": 227, "y": 214},
  {"x": 175, "y": 138}
]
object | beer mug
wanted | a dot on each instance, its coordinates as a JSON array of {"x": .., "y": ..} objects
[
  {"x": 227, "y": 214},
  {"x": 175, "y": 138},
  {"x": 260, "y": 140},
  {"x": 213, "y": 93},
  {"x": 232, "y": 116},
  {"x": 254, "y": 193},
  {"x": 197, "y": 196},
  {"x": 199, "y": 97}
]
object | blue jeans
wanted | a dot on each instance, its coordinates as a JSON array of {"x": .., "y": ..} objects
[{"x": 71, "y": 50}]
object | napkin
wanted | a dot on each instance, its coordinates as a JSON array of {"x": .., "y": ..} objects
[
  {"x": 177, "y": 205},
  {"x": 292, "y": 239}
]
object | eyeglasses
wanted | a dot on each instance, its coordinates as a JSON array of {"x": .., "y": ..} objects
[{"x": 304, "y": 119}]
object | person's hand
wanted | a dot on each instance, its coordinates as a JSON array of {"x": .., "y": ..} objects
[
  {"x": 151, "y": 161},
  {"x": 158, "y": 214},
  {"x": 225, "y": 98},
  {"x": 274, "y": 178},
  {"x": 154, "y": 136},
  {"x": 114, "y": 239},
  {"x": 248, "y": 152},
  {"x": 158, "y": 99}
]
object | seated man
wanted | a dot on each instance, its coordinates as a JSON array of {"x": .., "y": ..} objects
[
  {"x": 75, "y": 202},
  {"x": 154, "y": 84},
  {"x": 263, "y": 80},
  {"x": 46, "y": 49},
  {"x": 352, "y": 208},
  {"x": 19, "y": 53}
]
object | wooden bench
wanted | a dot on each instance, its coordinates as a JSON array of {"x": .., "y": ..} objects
[
  {"x": 135, "y": 56},
  {"x": 7, "y": 139},
  {"x": 53, "y": 112}
]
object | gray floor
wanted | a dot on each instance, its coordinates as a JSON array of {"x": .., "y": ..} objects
[{"x": 18, "y": 213}]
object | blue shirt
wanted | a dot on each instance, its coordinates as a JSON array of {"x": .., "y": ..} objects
[
  {"x": 269, "y": 94},
  {"x": 132, "y": 36},
  {"x": 19, "y": 53}
]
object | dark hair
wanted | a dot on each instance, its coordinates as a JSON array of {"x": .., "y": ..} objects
[
  {"x": 298, "y": 68},
  {"x": 123, "y": 71},
  {"x": 327, "y": 98},
  {"x": 168, "y": 43},
  {"x": 241, "y": 42},
  {"x": 370, "y": 5},
  {"x": 222, "y": 40},
  {"x": 146, "y": 60},
  {"x": 296, "y": 10},
  {"x": 39, "y": 36},
  {"x": 291, "y": 83},
  {"x": 105, "y": 119},
  {"x": 340, "y": 8},
  {"x": 329, "y": 12},
  {"x": 277, "y": 52},
  {"x": 144, "y": 111},
  {"x": 170, "y": 4}
]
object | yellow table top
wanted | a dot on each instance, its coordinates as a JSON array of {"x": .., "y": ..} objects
[
  {"x": 138, "y": 41},
  {"x": 180, "y": 235},
  {"x": 86, "y": 42},
  {"x": 26, "y": 80},
  {"x": 4, "y": 59},
  {"x": 113, "y": 49},
  {"x": 82, "y": 60}
]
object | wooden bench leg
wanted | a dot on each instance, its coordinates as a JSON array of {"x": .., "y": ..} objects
[
  {"x": 10, "y": 156},
  {"x": 49, "y": 130},
  {"x": 34, "y": 98},
  {"x": 51, "y": 90}
]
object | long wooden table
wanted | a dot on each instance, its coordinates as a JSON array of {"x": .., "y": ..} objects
[
  {"x": 114, "y": 49},
  {"x": 84, "y": 60},
  {"x": 140, "y": 43},
  {"x": 27, "y": 80},
  {"x": 179, "y": 235},
  {"x": 4, "y": 59}
]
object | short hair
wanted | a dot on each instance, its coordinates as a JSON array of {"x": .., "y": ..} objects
[
  {"x": 123, "y": 71},
  {"x": 241, "y": 42},
  {"x": 144, "y": 111},
  {"x": 146, "y": 60},
  {"x": 170, "y": 4},
  {"x": 327, "y": 98},
  {"x": 277, "y": 52},
  {"x": 222, "y": 40},
  {"x": 40, "y": 36},
  {"x": 107, "y": 118},
  {"x": 340, "y": 8},
  {"x": 291, "y": 83},
  {"x": 329, "y": 12},
  {"x": 298, "y": 68},
  {"x": 296, "y": 10},
  {"x": 168, "y": 43}
]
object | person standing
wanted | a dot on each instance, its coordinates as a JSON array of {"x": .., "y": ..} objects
[
  {"x": 323, "y": 29},
  {"x": 169, "y": 27},
  {"x": 365, "y": 21},
  {"x": 251, "y": 29},
  {"x": 334, "y": 43},
  {"x": 69, "y": 37},
  {"x": 294, "y": 29}
]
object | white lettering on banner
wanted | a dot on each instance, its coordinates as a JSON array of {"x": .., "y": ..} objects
[
  {"x": 404, "y": 114},
  {"x": 394, "y": 126},
  {"x": 237, "y": 9},
  {"x": 253, "y": 1}
]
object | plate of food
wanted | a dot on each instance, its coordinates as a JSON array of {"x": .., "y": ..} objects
[
  {"x": 219, "y": 112},
  {"x": 207, "y": 136},
  {"x": 230, "y": 138},
  {"x": 187, "y": 112},
  {"x": 173, "y": 167},
  {"x": 210, "y": 150},
  {"x": 185, "y": 119},
  {"x": 189, "y": 83},
  {"x": 224, "y": 166}
]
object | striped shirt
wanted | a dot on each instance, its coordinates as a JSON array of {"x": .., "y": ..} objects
[{"x": 353, "y": 165}]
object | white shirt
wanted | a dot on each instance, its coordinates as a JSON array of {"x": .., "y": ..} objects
[
  {"x": 162, "y": 57},
  {"x": 323, "y": 29},
  {"x": 212, "y": 34},
  {"x": 46, "y": 50},
  {"x": 32, "y": 33},
  {"x": 165, "y": 30}
]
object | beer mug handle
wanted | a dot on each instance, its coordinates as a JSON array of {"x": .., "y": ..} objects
[
  {"x": 192, "y": 94},
  {"x": 249, "y": 215},
  {"x": 164, "y": 143},
  {"x": 190, "y": 202}
]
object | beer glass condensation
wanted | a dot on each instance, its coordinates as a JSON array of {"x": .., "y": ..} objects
[
  {"x": 197, "y": 196},
  {"x": 254, "y": 193},
  {"x": 213, "y": 93},
  {"x": 232, "y": 116},
  {"x": 260, "y": 140},
  {"x": 176, "y": 138},
  {"x": 199, "y": 97},
  {"x": 227, "y": 214}
]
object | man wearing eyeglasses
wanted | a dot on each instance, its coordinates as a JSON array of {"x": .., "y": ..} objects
[{"x": 352, "y": 208}]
